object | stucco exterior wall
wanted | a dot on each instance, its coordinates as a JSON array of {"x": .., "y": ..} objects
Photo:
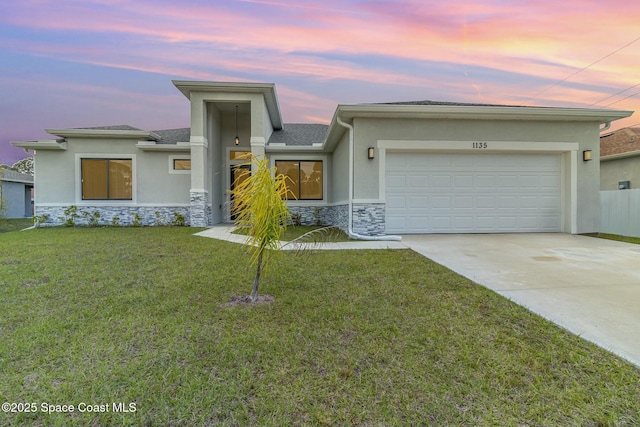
[
  {"x": 340, "y": 172},
  {"x": 369, "y": 131},
  {"x": 153, "y": 182},
  {"x": 613, "y": 171}
]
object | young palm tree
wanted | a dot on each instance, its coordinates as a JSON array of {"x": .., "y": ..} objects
[{"x": 259, "y": 206}]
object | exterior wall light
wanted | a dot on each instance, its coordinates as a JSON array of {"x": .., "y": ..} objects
[
  {"x": 237, "y": 140},
  {"x": 586, "y": 155},
  {"x": 371, "y": 153}
]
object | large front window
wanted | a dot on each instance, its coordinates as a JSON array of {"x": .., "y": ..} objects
[
  {"x": 106, "y": 179},
  {"x": 305, "y": 178}
]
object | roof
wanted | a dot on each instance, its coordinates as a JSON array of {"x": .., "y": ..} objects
[
  {"x": 116, "y": 127},
  {"x": 299, "y": 134},
  {"x": 461, "y": 111},
  {"x": 173, "y": 136},
  {"x": 621, "y": 143},
  {"x": 117, "y": 131},
  {"x": 429, "y": 102},
  {"x": 13, "y": 176}
]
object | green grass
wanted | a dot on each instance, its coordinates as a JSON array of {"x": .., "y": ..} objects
[
  {"x": 625, "y": 239},
  {"x": 355, "y": 338},
  {"x": 294, "y": 231},
  {"x": 14, "y": 224}
]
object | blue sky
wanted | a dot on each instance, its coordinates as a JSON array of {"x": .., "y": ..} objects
[{"x": 79, "y": 63}]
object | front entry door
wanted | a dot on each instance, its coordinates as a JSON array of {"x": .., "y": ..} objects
[{"x": 238, "y": 174}]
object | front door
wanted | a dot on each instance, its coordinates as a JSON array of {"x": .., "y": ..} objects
[{"x": 238, "y": 174}]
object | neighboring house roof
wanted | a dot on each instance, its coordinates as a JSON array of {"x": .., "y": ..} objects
[
  {"x": 299, "y": 134},
  {"x": 13, "y": 176},
  {"x": 621, "y": 143}
]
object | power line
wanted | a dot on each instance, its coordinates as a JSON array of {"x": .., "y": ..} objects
[
  {"x": 626, "y": 97},
  {"x": 583, "y": 69},
  {"x": 611, "y": 96}
]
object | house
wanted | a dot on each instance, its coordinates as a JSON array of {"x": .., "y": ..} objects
[
  {"x": 620, "y": 159},
  {"x": 394, "y": 168},
  {"x": 16, "y": 189}
]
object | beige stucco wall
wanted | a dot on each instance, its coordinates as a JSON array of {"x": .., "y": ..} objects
[
  {"x": 153, "y": 183},
  {"x": 587, "y": 184},
  {"x": 613, "y": 171}
]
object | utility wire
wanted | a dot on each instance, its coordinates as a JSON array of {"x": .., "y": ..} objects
[
  {"x": 626, "y": 97},
  {"x": 583, "y": 69},
  {"x": 611, "y": 96}
]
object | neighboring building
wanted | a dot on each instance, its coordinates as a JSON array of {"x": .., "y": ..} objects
[
  {"x": 620, "y": 160},
  {"x": 16, "y": 194},
  {"x": 417, "y": 167}
]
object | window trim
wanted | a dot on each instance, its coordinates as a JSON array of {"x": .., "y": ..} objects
[
  {"x": 105, "y": 202},
  {"x": 298, "y": 159},
  {"x": 173, "y": 158}
]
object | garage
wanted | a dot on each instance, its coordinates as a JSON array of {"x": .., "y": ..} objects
[{"x": 434, "y": 192}]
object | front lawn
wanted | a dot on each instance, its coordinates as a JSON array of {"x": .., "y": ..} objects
[
  {"x": 109, "y": 319},
  {"x": 14, "y": 224}
]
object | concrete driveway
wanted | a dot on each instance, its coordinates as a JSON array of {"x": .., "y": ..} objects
[{"x": 589, "y": 286}]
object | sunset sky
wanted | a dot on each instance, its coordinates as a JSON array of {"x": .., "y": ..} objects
[{"x": 80, "y": 63}]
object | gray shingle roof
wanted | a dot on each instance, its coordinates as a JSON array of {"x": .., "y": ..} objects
[
  {"x": 173, "y": 136},
  {"x": 456, "y": 104},
  {"x": 300, "y": 134},
  {"x": 116, "y": 127}
]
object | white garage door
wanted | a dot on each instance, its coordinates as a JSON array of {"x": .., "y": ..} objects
[{"x": 472, "y": 193}]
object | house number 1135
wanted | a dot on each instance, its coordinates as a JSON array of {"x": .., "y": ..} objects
[{"x": 480, "y": 145}]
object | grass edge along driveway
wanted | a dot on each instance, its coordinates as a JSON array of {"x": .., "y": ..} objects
[{"x": 107, "y": 317}]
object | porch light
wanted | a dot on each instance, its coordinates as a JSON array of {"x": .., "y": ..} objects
[
  {"x": 370, "y": 153},
  {"x": 237, "y": 140},
  {"x": 586, "y": 155}
]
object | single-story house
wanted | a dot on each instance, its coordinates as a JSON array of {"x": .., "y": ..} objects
[
  {"x": 620, "y": 159},
  {"x": 16, "y": 194},
  {"x": 389, "y": 168}
]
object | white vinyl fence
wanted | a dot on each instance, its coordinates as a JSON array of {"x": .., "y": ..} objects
[{"x": 620, "y": 212}]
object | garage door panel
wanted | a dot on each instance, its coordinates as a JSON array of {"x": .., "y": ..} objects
[
  {"x": 462, "y": 202},
  {"x": 419, "y": 181},
  {"x": 418, "y": 202},
  {"x": 460, "y": 193}
]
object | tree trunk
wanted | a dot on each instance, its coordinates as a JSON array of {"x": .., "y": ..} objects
[{"x": 256, "y": 280}]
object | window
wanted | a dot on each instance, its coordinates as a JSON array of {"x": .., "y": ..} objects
[
  {"x": 181, "y": 164},
  {"x": 106, "y": 179},
  {"x": 239, "y": 155},
  {"x": 305, "y": 181}
]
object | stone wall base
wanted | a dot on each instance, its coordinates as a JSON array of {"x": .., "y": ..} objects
[
  {"x": 369, "y": 219},
  {"x": 200, "y": 211},
  {"x": 124, "y": 216},
  {"x": 321, "y": 215}
]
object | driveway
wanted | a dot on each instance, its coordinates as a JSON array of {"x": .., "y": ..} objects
[{"x": 589, "y": 286}]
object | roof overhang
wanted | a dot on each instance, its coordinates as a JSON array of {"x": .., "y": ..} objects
[
  {"x": 104, "y": 133},
  {"x": 47, "y": 144},
  {"x": 268, "y": 90},
  {"x": 468, "y": 112},
  {"x": 152, "y": 146}
]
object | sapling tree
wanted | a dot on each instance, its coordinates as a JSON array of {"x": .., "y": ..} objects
[{"x": 259, "y": 206}]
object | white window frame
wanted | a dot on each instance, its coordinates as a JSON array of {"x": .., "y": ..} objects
[
  {"x": 173, "y": 157},
  {"x": 78, "y": 180}
]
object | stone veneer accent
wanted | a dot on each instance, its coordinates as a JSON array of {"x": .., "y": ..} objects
[
  {"x": 200, "y": 209},
  {"x": 369, "y": 219},
  {"x": 114, "y": 215},
  {"x": 323, "y": 215}
]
